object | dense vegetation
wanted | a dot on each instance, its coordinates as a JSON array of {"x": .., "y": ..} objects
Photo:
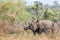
[{"x": 12, "y": 12}]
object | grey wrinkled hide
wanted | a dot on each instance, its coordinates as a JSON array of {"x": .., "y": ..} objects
[{"x": 45, "y": 25}]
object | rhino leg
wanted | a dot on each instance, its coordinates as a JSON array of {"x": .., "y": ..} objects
[
  {"x": 34, "y": 32},
  {"x": 39, "y": 31}
]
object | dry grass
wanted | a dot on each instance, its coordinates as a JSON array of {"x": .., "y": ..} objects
[{"x": 27, "y": 36}]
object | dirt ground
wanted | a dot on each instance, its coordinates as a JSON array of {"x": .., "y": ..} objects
[{"x": 28, "y": 36}]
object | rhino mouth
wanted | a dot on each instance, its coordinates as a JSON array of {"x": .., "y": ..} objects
[{"x": 26, "y": 28}]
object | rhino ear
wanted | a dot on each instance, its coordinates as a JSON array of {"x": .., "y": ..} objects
[
  {"x": 37, "y": 20},
  {"x": 29, "y": 22}
]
